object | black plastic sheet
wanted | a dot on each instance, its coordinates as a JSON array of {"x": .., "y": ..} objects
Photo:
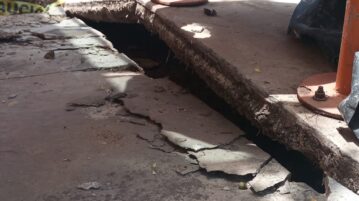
[{"x": 321, "y": 21}]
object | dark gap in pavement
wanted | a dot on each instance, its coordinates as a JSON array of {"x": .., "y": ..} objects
[
  {"x": 228, "y": 177},
  {"x": 137, "y": 43}
]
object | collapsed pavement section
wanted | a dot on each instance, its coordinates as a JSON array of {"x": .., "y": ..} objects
[
  {"x": 245, "y": 56},
  {"x": 80, "y": 122}
]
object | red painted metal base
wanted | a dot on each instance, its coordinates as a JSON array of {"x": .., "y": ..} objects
[
  {"x": 180, "y": 2},
  {"x": 328, "y": 107}
]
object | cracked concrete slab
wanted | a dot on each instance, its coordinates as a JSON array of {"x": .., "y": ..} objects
[
  {"x": 251, "y": 77},
  {"x": 74, "y": 47},
  {"x": 67, "y": 28},
  {"x": 187, "y": 142},
  {"x": 161, "y": 98},
  {"x": 57, "y": 140},
  {"x": 246, "y": 160},
  {"x": 157, "y": 141},
  {"x": 33, "y": 62},
  {"x": 270, "y": 178},
  {"x": 46, "y": 151},
  {"x": 187, "y": 164},
  {"x": 99, "y": 106},
  {"x": 185, "y": 169},
  {"x": 85, "y": 149}
]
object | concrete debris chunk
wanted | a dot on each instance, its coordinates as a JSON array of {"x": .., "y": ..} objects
[
  {"x": 246, "y": 161},
  {"x": 186, "y": 142},
  {"x": 337, "y": 192},
  {"x": 93, "y": 185},
  {"x": 270, "y": 178}
]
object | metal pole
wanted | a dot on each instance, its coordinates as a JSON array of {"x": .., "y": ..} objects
[{"x": 349, "y": 45}]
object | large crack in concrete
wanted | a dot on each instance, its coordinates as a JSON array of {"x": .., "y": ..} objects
[
  {"x": 234, "y": 156},
  {"x": 265, "y": 173},
  {"x": 136, "y": 115},
  {"x": 269, "y": 178},
  {"x": 280, "y": 123}
]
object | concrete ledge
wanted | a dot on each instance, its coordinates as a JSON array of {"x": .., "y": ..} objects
[
  {"x": 109, "y": 11},
  {"x": 247, "y": 59}
]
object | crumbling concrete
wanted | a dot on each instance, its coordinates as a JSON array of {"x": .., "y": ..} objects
[
  {"x": 110, "y": 11},
  {"x": 47, "y": 149},
  {"x": 248, "y": 160},
  {"x": 270, "y": 178},
  {"x": 248, "y": 60},
  {"x": 237, "y": 158},
  {"x": 165, "y": 99}
]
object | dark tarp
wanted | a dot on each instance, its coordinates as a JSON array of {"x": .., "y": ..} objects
[{"x": 321, "y": 21}]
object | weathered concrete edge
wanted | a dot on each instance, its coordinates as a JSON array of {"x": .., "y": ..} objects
[
  {"x": 268, "y": 114},
  {"x": 104, "y": 11}
]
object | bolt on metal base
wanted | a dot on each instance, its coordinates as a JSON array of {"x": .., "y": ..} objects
[{"x": 318, "y": 94}]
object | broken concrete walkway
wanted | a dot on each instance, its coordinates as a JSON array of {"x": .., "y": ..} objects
[
  {"x": 246, "y": 57},
  {"x": 73, "y": 124}
]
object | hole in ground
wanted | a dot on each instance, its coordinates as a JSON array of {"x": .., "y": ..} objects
[{"x": 142, "y": 46}]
